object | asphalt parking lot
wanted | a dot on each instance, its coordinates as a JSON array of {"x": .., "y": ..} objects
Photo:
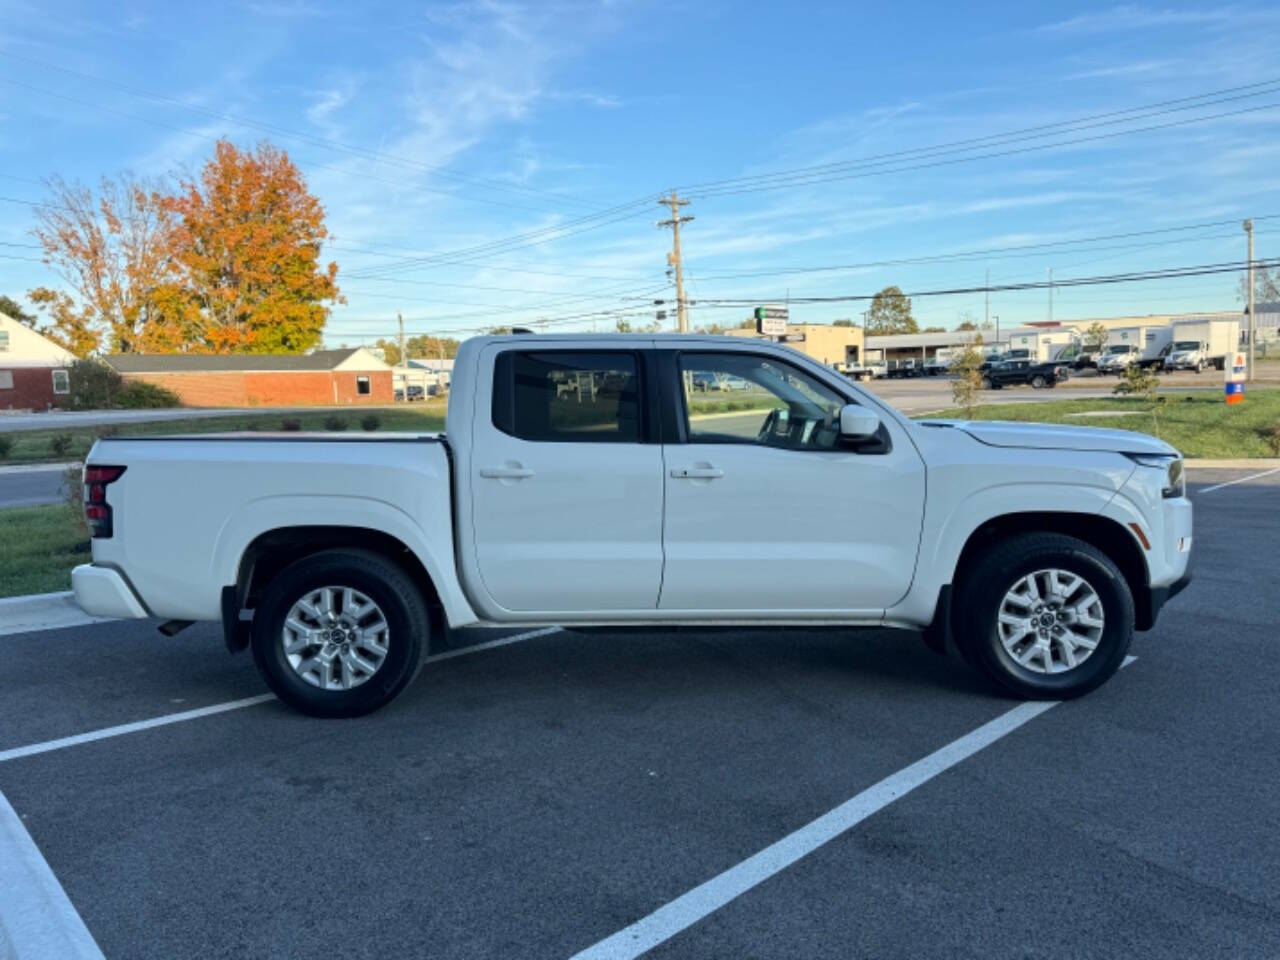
[{"x": 567, "y": 793}]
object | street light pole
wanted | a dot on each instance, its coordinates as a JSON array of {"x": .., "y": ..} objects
[{"x": 1248, "y": 229}]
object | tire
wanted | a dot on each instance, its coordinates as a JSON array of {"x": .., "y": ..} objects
[
  {"x": 371, "y": 576},
  {"x": 1200, "y": 367},
  {"x": 995, "y": 575},
  {"x": 986, "y": 383},
  {"x": 1037, "y": 382}
]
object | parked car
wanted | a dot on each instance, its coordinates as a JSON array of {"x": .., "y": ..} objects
[
  {"x": 341, "y": 559},
  {"x": 1012, "y": 373},
  {"x": 416, "y": 392},
  {"x": 1086, "y": 359}
]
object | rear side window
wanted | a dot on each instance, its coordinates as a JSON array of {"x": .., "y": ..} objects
[{"x": 567, "y": 397}]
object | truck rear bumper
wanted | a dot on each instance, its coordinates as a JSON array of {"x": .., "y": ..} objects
[{"x": 103, "y": 592}]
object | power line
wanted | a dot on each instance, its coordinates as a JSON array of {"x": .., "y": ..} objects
[
  {"x": 823, "y": 173},
  {"x": 1196, "y": 270}
]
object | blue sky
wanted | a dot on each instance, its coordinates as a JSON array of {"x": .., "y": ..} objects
[{"x": 428, "y": 129}]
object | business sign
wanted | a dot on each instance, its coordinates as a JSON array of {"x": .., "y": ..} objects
[
  {"x": 1235, "y": 372},
  {"x": 771, "y": 321}
]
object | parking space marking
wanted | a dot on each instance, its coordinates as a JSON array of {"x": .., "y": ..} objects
[
  {"x": 704, "y": 899},
  {"x": 1232, "y": 483},
  {"x": 169, "y": 718},
  {"x": 36, "y": 917},
  {"x": 123, "y": 728}
]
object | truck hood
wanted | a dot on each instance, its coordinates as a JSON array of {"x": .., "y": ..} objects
[{"x": 1048, "y": 436}]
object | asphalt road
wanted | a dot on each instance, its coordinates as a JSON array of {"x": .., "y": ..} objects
[
  {"x": 30, "y": 488},
  {"x": 530, "y": 800}
]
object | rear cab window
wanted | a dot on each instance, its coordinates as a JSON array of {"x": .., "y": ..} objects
[{"x": 548, "y": 396}]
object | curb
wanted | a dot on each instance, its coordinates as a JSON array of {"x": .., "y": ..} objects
[
  {"x": 40, "y": 467},
  {"x": 1256, "y": 463},
  {"x": 43, "y": 611}
]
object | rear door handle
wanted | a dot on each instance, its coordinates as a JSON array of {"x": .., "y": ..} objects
[
  {"x": 506, "y": 473},
  {"x": 697, "y": 473}
]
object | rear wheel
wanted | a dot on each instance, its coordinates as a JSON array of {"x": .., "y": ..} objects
[
  {"x": 1045, "y": 616},
  {"x": 1038, "y": 382},
  {"x": 340, "y": 633}
]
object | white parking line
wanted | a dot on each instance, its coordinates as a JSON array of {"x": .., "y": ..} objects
[
  {"x": 1232, "y": 483},
  {"x": 138, "y": 725},
  {"x": 36, "y": 918},
  {"x": 706, "y": 898}
]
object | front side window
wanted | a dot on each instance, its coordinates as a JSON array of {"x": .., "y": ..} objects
[
  {"x": 362, "y": 386},
  {"x": 568, "y": 397},
  {"x": 61, "y": 381},
  {"x": 741, "y": 398}
]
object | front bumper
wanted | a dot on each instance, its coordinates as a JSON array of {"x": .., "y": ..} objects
[{"x": 103, "y": 592}]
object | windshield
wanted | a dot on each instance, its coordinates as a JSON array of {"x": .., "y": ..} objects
[
  {"x": 1187, "y": 345},
  {"x": 1120, "y": 348}
]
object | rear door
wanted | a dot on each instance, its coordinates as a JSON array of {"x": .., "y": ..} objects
[
  {"x": 766, "y": 511},
  {"x": 567, "y": 483}
]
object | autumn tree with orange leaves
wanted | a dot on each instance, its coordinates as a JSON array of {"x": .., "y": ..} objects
[
  {"x": 247, "y": 238},
  {"x": 227, "y": 263},
  {"x": 114, "y": 254}
]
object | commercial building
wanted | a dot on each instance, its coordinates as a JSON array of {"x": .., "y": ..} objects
[
  {"x": 322, "y": 378},
  {"x": 33, "y": 369},
  {"x": 827, "y": 343}
]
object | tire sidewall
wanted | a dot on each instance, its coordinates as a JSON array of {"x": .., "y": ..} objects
[
  {"x": 377, "y": 580},
  {"x": 986, "y": 649}
]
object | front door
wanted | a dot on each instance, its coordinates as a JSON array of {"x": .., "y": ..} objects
[
  {"x": 566, "y": 489},
  {"x": 766, "y": 511}
]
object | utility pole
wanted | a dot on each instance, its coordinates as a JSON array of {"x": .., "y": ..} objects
[
  {"x": 986, "y": 307},
  {"x": 673, "y": 258},
  {"x": 404, "y": 358},
  {"x": 1051, "y": 294},
  {"x": 1248, "y": 229}
]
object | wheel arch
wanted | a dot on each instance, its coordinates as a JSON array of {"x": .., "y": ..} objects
[
  {"x": 1104, "y": 533},
  {"x": 271, "y": 551}
]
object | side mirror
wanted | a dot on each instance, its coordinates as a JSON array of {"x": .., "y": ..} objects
[{"x": 858, "y": 422}]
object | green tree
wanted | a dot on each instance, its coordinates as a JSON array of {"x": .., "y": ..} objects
[
  {"x": 843, "y": 323},
  {"x": 891, "y": 313},
  {"x": 1141, "y": 381},
  {"x": 934, "y": 330},
  {"x": 1095, "y": 338},
  {"x": 967, "y": 325},
  {"x": 421, "y": 347},
  {"x": 13, "y": 309},
  {"x": 967, "y": 385}
]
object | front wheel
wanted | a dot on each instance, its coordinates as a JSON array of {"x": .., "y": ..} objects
[
  {"x": 340, "y": 633},
  {"x": 986, "y": 383},
  {"x": 1045, "y": 616}
]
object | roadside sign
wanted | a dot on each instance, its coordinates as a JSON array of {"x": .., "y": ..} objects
[
  {"x": 1235, "y": 372},
  {"x": 771, "y": 321}
]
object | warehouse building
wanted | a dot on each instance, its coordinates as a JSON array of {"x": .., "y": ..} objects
[
  {"x": 322, "y": 378},
  {"x": 33, "y": 369},
  {"x": 824, "y": 342}
]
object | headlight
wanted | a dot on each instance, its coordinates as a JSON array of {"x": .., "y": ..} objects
[{"x": 1175, "y": 483}]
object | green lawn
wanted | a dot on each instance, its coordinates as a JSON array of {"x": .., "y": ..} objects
[
  {"x": 36, "y": 446},
  {"x": 1200, "y": 425},
  {"x": 38, "y": 548}
]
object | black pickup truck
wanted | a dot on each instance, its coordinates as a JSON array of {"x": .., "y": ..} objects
[{"x": 1011, "y": 373}]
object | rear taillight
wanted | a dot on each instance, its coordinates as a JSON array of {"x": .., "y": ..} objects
[{"x": 96, "y": 511}]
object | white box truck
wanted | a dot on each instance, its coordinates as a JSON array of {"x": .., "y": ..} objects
[
  {"x": 1145, "y": 345},
  {"x": 1039, "y": 345},
  {"x": 1198, "y": 344}
]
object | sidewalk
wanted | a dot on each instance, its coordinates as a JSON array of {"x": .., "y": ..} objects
[{"x": 42, "y": 611}]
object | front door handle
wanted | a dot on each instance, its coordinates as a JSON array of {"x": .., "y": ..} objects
[
  {"x": 697, "y": 473},
  {"x": 506, "y": 472}
]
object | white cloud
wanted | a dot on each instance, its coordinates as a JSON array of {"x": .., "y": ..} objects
[{"x": 1130, "y": 17}]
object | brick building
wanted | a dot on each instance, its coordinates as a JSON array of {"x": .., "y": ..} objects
[
  {"x": 322, "y": 378},
  {"x": 33, "y": 370}
]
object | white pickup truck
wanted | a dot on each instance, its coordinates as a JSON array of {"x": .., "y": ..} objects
[{"x": 583, "y": 481}]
